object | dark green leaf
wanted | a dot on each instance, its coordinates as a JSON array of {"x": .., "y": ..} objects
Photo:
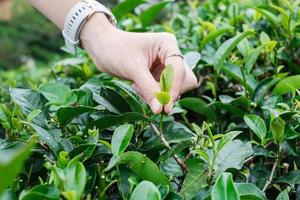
[
  {"x": 195, "y": 178},
  {"x": 114, "y": 120},
  {"x": 148, "y": 15},
  {"x": 122, "y": 8},
  {"x": 199, "y": 106},
  {"x": 284, "y": 195},
  {"x": 144, "y": 167},
  {"x": 292, "y": 178}
]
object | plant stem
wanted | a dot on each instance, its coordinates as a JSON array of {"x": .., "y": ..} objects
[
  {"x": 269, "y": 181},
  {"x": 166, "y": 143},
  {"x": 212, "y": 167}
]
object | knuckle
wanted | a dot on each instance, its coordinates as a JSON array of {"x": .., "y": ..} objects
[{"x": 169, "y": 37}]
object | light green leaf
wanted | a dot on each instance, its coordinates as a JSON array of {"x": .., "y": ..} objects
[
  {"x": 33, "y": 115},
  {"x": 49, "y": 192},
  {"x": 252, "y": 58},
  {"x": 163, "y": 97},
  {"x": 11, "y": 162},
  {"x": 224, "y": 188},
  {"x": 195, "y": 178},
  {"x": 5, "y": 117},
  {"x": 286, "y": 85},
  {"x": 257, "y": 125},
  {"x": 277, "y": 128},
  {"x": 214, "y": 34},
  {"x": 227, "y": 47},
  {"x": 121, "y": 139},
  {"x": 284, "y": 195},
  {"x": 55, "y": 93},
  {"x": 145, "y": 190},
  {"x": 166, "y": 79},
  {"x": 248, "y": 191}
]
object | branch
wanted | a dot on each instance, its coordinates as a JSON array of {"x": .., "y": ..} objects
[{"x": 166, "y": 143}]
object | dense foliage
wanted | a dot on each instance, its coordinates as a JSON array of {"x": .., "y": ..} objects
[{"x": 73, "y": 133}]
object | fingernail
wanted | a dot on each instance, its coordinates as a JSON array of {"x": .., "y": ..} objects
[
  {"x": 168, "y": 108},
  {"x": 156, "y": 107}
]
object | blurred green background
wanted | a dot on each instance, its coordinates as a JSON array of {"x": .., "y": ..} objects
[{"x": 26, "y": 35}]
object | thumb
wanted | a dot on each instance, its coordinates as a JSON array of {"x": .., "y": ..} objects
[{"x": 146, "y": 85}]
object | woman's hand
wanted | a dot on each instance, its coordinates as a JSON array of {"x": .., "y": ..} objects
[{"x": 139, "y": 57}]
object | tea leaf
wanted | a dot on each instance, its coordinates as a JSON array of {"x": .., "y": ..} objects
[
  {"x": 145, "y": 190},
  {"x": 257, "y": 125},
  {"x": 121, "y": 138},
  {"x": 163, "y": 97},
  {"x": 277, "y": 127},
  {"x": 286, "y": 85},
  {"x": 166, "y": 79},
  {"x": 224, "y": 188}
]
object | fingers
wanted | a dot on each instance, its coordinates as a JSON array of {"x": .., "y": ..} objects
[{"x": 146, "y": 86}]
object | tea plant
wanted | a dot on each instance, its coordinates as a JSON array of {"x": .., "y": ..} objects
[{"x": 81, "y": 134}]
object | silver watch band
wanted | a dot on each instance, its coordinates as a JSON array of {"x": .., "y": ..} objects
[{"x": 77, "y": 17}]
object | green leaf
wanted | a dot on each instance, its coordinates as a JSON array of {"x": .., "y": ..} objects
[
  {"x": 124, "y": 7},
  {"x": 248, "y": 191},
  {"x": 33, "y": 115},
  {"x": 257, "y": 125},
  {"x": 108, "y": 121},
  {"x": 199, "y": 106},
  {"x": 144, "y": 167},
  {"x": 11, "y": 163},
  {"x": 38, "y": 192},
  {"x": 232, "y": 156},
  {"x": 224, "y": 188},
  {"x": 66, "y": 114},
  {"x": 244, "y": 47},
  {"x": 292, "y": 178},
  {"x": 166, "y": 78},
  {"x": 145, "y": 190},
  {"x": 284, "y": 195},
  {"x": 148, "y": 15},
  {"x": 228, "y": 137},
  {"x": 47, "y": 138},
  {"x": 286, "y": 85},
  {"x": 195, "y": 178},
  {"x": 30, "y": 100},
  {"x": 214, "y": 34},
  {"x": 252, "y": 58},
  {"x": 5, "y": 117},
  {"x": 55, "y": 93},
  {"x": 121, "y": 139},
  {"x": 192, "y": 58},
  {"x": 226, "y": 48},
  {"x": 277, "y": 128},
  {"x": 163, "y": 97},
  {"x": 235, "y": 72},
  {"x": 262, "y": 89}
]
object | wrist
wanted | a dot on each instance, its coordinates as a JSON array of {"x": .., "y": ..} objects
[{"x": 97, "y": 25}]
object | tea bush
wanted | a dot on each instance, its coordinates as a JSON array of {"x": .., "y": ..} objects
[{"x": 73, "y": 133}]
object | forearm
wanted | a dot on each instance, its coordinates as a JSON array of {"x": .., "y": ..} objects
[{"x": 55, "y": 10}]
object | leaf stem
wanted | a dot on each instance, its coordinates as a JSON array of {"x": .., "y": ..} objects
[
  {"x": 166, "y": 143},
  {"x": 212, "y": 167},
  {"x": 269, "y": 181}
]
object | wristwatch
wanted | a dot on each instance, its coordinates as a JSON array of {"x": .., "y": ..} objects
[{"x": 77, "y": 17}]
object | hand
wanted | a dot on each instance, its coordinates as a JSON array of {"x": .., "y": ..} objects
[{"x": 139, "y": 57}]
